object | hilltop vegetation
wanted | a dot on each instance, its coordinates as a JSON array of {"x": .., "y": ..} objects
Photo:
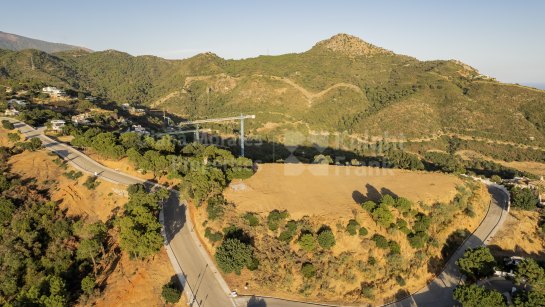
[{"x": 341, "y": 84}]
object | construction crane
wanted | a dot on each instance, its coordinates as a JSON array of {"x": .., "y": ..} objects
[{"x": 242, "y": 117}]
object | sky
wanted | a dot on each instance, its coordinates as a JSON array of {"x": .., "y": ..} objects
[{"x": 502, "y": 39}]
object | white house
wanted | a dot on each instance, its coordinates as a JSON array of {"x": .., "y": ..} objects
[
  {"x": 57, "y": 124},
  {"x": 53, "y": 91},
  {"x": 81, "y": 119},
  {"x": 11, "y": 112},
  {"x": 18, "y": 102},
  {"x": 140, "y": 130}
]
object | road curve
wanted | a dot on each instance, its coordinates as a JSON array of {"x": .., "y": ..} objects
[
  {"x": 439, "y": 291},
  {"x": 203, "y": 284}
]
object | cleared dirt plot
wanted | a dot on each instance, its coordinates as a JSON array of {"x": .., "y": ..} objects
[{"x": 327, "y": 190}]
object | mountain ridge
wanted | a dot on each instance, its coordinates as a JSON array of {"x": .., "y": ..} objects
[
  {"x": 343, "y": 85},
  {"x": 16, "y": 42}
]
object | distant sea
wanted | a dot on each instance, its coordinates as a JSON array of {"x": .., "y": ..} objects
[{"x": 536, "y": 85}]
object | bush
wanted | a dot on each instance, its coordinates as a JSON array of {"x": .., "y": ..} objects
[
  {"x": 367, "y": 291},
  {"x": 388, "y": 200},
  {"x": 326, "y": 239},
  {"x": 380, "y": 241},
  {"x": 495, "y": 179},
  {"x": 215, "y": 207},
  {"x": 88, "y": 285},
  {"x": 417, "y": 240},
  {"x": 14, "y": 137},
  {"x": 212, "y": 236},
  {"x": 307, "y": 242},
  {"x": 383, "y": 216},
  {"x": 73, "y": 175},
  {"x": 308, "y": 270},
  {"x": 422, "y": 222},
  {"x": 170, "y": 293},
  {"x": 352, "y": 227},
  {"x": 233, "y": 255},
  {"x": 252, "y": 219},
  {"x": 369, "y": 206},
  {"x": 6, "y": 124},
  {"x": 274, "y": 218},
  {"x": 363, "y": 231},
  {"x": 473, "y": 295},
  {"x": 524, "y": 199},
  {"x": 477, "y": 262},
  {"x": 394, "y": 247},
  {"x": 91, "y": 183},
  {"x": 403, "y": 205},
  {"x": 289, "y": 232}
]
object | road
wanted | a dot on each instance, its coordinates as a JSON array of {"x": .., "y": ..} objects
[
  {"x": 203, "y": 284},
  {"x": 439, "y": 291},
  {"x": 198, "y": 273}
]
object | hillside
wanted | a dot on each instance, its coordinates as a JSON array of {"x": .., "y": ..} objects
[
  {"x": 342, "y": 84},
  {"x": 16, "y": 42}
]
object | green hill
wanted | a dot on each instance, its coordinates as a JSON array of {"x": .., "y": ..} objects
[
  {"x": 16, "y": 42},
  {"x": 342, "y": 84}
]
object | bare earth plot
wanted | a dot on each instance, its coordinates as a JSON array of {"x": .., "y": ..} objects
[{"x": 326, "y": 190}]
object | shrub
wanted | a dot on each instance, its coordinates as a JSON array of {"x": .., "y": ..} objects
[
  {"x": 91, "y": 183},
  {"x": 326, "y": 239},
  {"x": 289, "y": 231},
  {"x": 476, "y": 262},
  {"x": 495, "y": 179},
  {"x": 6, "y": 124},
  {"x": 403, "y": 205},
  {"x": 363, "y": 231},
  {"x": 212, "y": 236},
  {"x": 352, "y": 227},
  {"x": 233, "y": 255},
  {"x": 88, "y": 285},
  {"x": 73, "y": 175},
  {"x": 400, "y": 281},
  {"x": 252, "y": 219},
  {"x": 307, "y": 242},
  {"x": 524, "y": 199},
  {"x": 170, "y": 293},
  {"x": 215, "y": 207},
  {"x": 387, "y": 200},
  {"x": 422, "y": 222},
  {"x": 367, "y": 291},
  {"x": 308, "y": 270},
  {"x": 394, "y": 247},
  {"x": 369, "y": 206},
  {"x": 14, "y": 137},
  {"x": 380, "y": 241},
  {"x": 383, "y": 216},
  {"x": 274, "y": 218},
  {"x": 417, "y": 240}
]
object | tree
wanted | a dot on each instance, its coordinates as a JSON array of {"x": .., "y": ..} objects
[
  {"x": 233, "y": 255},
  {"x": 132, "y": 140},
  {"x": 476, "y": 262},
  {"x": 530, "y": 299},
  {"x": 496, "y": 179},
  {"x": 307, "y": 242},
  {"x": 380, "y": 241},
  {"x": 523, "y": 198},
  {"x": 326, "y": 239},
  {"x": 89, "y": 249},
  {"x": 363, "y": 231},
  {"x": 352, "y": 227},
  {"x": 402, "y": 204},
  {"x": 88, "y": 285},
  {"x": 215, "y": 207},
  {"x": 529, "y": 272},
  {"x": 383, "y": 216},
  {"x": 369, "y": 206},
  {"x": 388, "y": 200},
  {"x": 165, "y": 144},
  {"x": 6, "y": 124},
  {"x": 475, "y": 296},
  {"x": 308, "y": 270},
  {"x": 274, "y": 218},
  {"x": 170, "y": 293}
]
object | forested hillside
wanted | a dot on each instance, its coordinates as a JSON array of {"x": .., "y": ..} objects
[{"x": 342, "y": 84}]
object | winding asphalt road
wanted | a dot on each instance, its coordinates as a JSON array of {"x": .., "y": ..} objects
[{"x": 205, "y": 286}]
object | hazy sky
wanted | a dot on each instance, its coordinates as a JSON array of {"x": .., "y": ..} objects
[{"x": 504, "y": 39}]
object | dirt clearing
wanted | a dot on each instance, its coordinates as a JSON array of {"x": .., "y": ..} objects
[{"x": 327, "y": 190}]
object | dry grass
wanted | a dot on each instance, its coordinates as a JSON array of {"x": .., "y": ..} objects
[
  {"x": 330, "y": 191},
  {"x": 520, "y": 236}
]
